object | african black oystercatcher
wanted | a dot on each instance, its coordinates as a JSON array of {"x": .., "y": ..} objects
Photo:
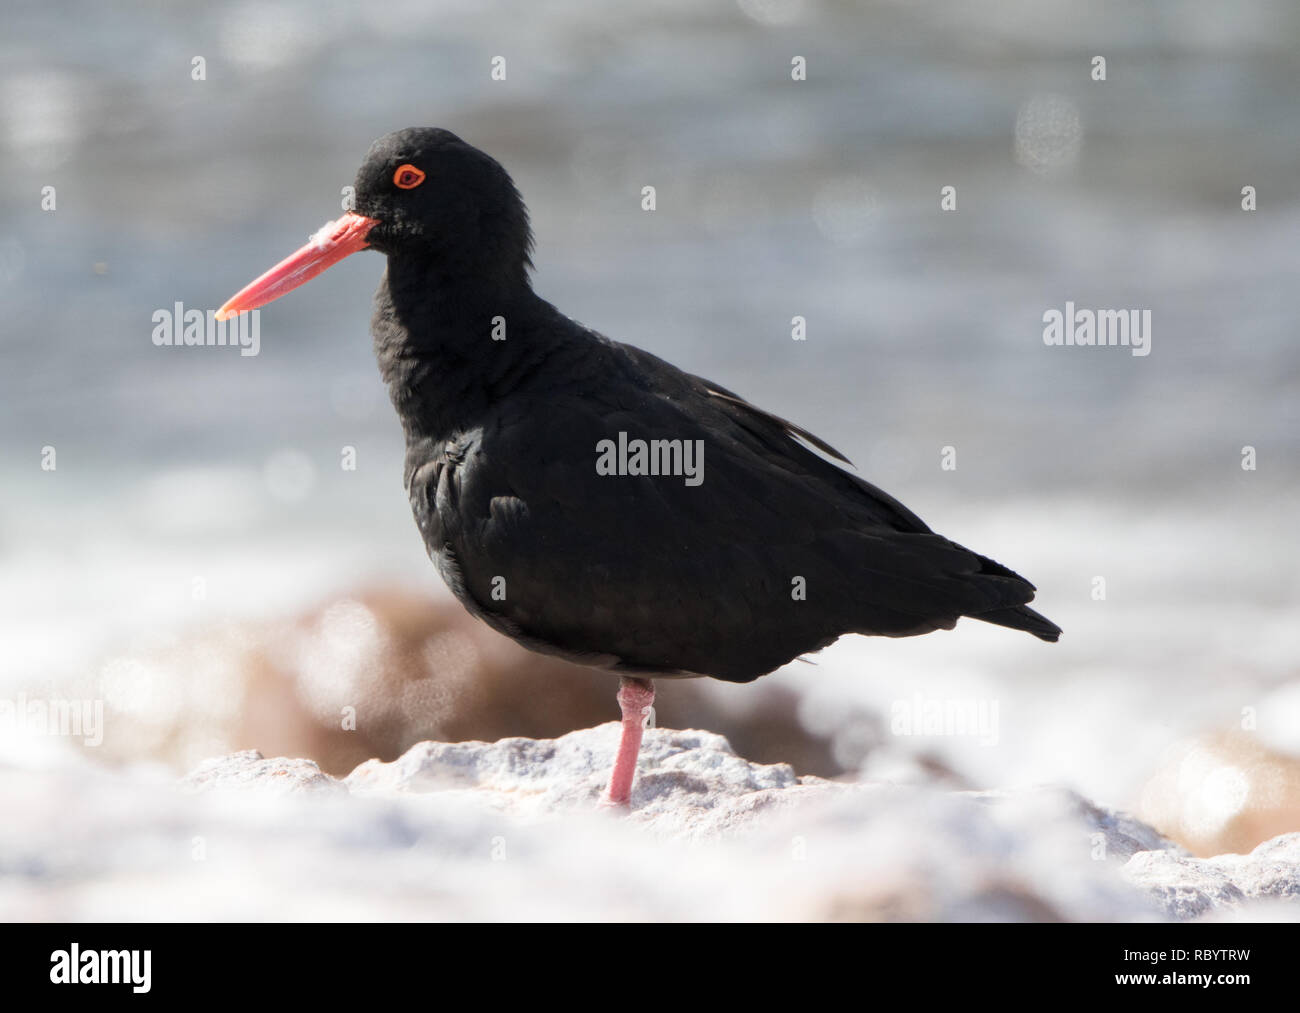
[{"x": 593, "y": 501}]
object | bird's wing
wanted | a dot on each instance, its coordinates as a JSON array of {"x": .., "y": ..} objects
[
  {"x": 758, "y": 563},
  {"x": 780, "y": 440},
  {"x": 764, "y": 422}
]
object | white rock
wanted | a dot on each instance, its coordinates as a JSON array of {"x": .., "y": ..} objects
[
  {"x": 511, "y": 830},
  {"x": 1196, "y": 887},
  {"x": 249, "y": 769},
  {"x": 689, "y": 784}
]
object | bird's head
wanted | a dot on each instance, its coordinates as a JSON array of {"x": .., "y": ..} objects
[{"x": 425, "y": 196}]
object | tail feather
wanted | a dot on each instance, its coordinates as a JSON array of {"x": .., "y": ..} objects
[{"x": 1022, "y": 617}]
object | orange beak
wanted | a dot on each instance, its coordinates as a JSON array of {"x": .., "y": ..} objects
[{"x": 331, "y": 244}]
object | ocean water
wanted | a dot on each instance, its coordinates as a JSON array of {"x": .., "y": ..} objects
[{"x": 195, "y": 485}]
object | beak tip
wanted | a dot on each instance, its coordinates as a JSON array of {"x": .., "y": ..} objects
[{"x": 332, "y": 243}]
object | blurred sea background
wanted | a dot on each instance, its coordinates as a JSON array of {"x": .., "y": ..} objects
[{"x": 201, "y": 562}]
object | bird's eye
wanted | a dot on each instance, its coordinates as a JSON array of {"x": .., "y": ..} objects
[{"x": 408, "y": 177}]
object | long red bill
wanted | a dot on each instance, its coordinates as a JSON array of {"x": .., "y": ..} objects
[{"x": 327, "y": 247}]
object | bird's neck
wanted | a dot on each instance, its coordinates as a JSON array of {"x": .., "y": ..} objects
[{"x": 448, "y": 346}]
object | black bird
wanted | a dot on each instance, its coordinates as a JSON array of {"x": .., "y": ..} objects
[{"x": 591, "y": 500}]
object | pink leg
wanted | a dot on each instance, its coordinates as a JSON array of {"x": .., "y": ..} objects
[{"x": 635, "y": 697}]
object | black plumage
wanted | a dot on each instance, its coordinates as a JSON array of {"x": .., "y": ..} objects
[
  {"x": 771, "y": 551},
  {"x": 642, "y": 574}
]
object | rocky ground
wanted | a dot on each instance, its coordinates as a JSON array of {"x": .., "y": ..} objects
[{"x": 511, "y": 830}]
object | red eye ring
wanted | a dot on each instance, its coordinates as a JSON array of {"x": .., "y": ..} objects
[{"x": 407, "y": 177}]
